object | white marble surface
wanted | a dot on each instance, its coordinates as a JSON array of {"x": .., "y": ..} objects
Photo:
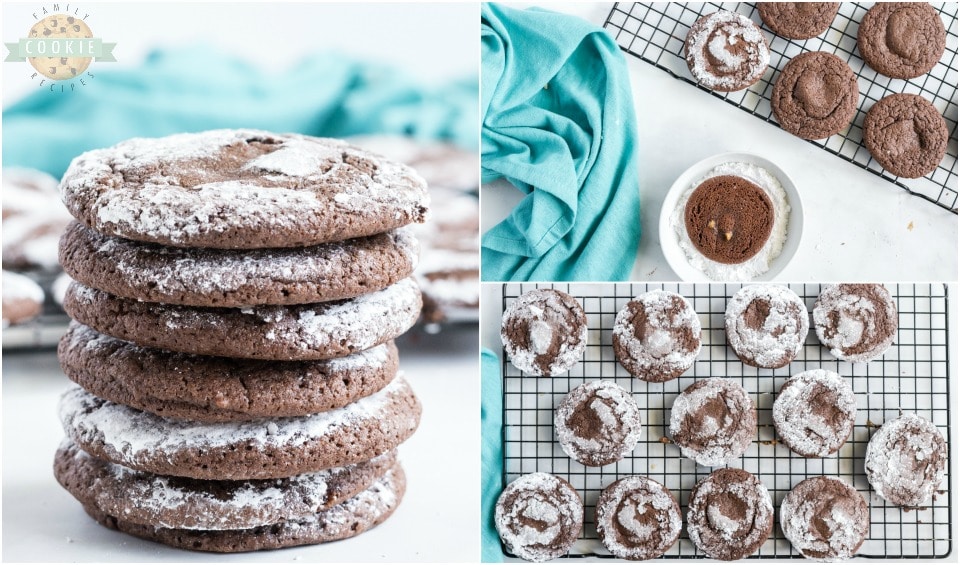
[
  {"x": 857, "y": 226},
  {"x": 43, "y": 523}
]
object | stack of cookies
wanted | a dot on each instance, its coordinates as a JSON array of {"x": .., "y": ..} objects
[{"x": 236, "y": 296}]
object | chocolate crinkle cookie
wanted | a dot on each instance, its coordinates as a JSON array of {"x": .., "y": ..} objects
[
  {"x": 729, "y": 515},
  {"x": 901, "y": 39},
  {"x": 638, "y": 518},
  {"x": 656, "y": 336},
  {"x": 241, "y": 189},
  {"x": 766, "y": 325},
  {"x": 347, "y": 519},
  {"x": 825, "y": 519},
  {"x": 725, "y": 51},
  {"x": 22, "y": 298},
  {"x": 729, "y": 219},
  {"x": 713, "y": 421},
  {"x": 814, "y": 412},
  {"x": 857, "y": 322},
  {"x": 598, "y": 423},
  {"x": 906, "y": 134},
  {"x": 798, "y": 20},
  {"x": 539, "y": 516},
  {"x": 906, "y": 460},
  {"x": 544, "y": 332},
  {"x": 176, "y": 502},
  {"x": 815, "y": 95}
]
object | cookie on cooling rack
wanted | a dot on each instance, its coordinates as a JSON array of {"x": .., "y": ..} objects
[
  {"x": 858, "y": 322},
  {"x": 729, "y": 514},
  {"x": 814, "y": 412},
  {"x": 906, "y": 460},
  {"x": 638, "y": 518},
  {"x": 766, "y": 325},
  {"x": 656, "y": 336},
  {"x": 544, "y": 332},
  {"x": 22, "y": 299},
  {"x": 815, "y": 95},
  {"x": 725, "y": 51},
  {"x": 539, "y": 516},
  {"x": 33, "y": 219},
  {"x": 825, "y": 519},
  {"x": 598, "y": 423},
  {"x": 901, "y": 39},
  {"x": 906, "y": 134},
  {"x": 713, "y": 421},
  {"x": 798, "y": 20}
]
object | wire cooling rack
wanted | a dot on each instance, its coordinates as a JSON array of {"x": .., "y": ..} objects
[
  {"x": 44, "y": 331},
  {"x": 654, "y": 32},
  {"x": 912, "y": 376}
]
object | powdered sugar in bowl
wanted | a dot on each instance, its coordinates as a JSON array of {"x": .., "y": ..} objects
[{"x": 749, "y": 232}]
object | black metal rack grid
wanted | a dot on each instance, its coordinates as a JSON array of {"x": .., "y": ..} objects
[
  {"x": 655, "y": 32},
  {"x": 912, "y": 376},
  {"x": 44, "y": 331}
]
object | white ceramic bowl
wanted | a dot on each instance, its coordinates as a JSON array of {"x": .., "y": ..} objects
[{"x": 668, "y": 239}]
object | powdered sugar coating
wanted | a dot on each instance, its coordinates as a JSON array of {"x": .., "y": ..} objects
[
  {"x": 713, "y": 421},
  {"x": 782, "y": 329},
  {"x": 20, "y": 287},
  {"x": 450, "y": 278},
  {"x": 348, "y": 519},
  {"x": 146, "y": 442},
  {"x": 241, "y": 189},
  {"x": 814, "y": 412},
  {"x": 27, "y": 191},
  {"x": 729, "y": 514},
  {"x": 544, "y": 332},
  {"x": 173, "y": 502},
  {"x": 314, "y": 331},
  {"x": 22, "y": 298},
  {"x": 218, "y": 389},
  {"x": 656, "y": 336},
  {"x": 825, "y": 519},
  {"x": 236, "y": 278},
  {"x": 858, "y": 322},
  {"x": 33, "y": 219},
  {"x": 598, "y": 423},
  {"x": 906, "y": 460},
  {"x": 538, "y": 516},
  {"x": 638, "y": 518},
  {"x": 726, "y": 51},
  {"x": 759, "y": 263}
]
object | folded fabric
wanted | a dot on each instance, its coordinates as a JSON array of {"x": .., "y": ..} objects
[
  {"x": 558, "y": 123},
  {"x": 491, "y": 430},
  {"x": 195, "y": 89}
]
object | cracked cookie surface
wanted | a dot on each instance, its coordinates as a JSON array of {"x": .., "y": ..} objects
[{"x": 241, "y": 189}]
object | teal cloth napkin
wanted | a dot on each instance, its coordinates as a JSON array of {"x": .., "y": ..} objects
[
  {"x": 491, "y": 429},
  {"x": 195, "y": 89},
  {"x": 558, "y": 123}
]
